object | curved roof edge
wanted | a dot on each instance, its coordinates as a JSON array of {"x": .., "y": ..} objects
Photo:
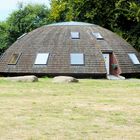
[{"x": 70, "y": 23}]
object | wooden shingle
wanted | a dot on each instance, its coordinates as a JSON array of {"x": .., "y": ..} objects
[{"x": 56, "y": 40}]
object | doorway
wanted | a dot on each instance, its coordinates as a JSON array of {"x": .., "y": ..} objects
[
  {"x": 111, "y": 64},
  {"x": 106, "y": 57}
]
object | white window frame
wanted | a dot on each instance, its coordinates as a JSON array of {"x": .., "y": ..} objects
[
  {"x": 41, "y": 59},
  {"x": 75, "y": 35},
  {"x": 77, "y": 59},
  {"x": 14, "y": 59},
  {"x": 134, "y": 58},
  {"x": 97, "y": 35}
]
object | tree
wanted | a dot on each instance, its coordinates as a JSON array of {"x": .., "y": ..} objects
[
  {"x": 3, "y": 36},
  {"x": 126, "y": 21},
  {"x": 94, "y": 11},
  {"x": 26, "y": 19}
]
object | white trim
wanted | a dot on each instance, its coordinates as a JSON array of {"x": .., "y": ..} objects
[
  {"x": 75, "y": 35},
  {"x": 77, "y": 59},
  {"x": 41, "y": 59},
  {"x": 133, "y": 58},
  {"x": 97, "y": 35}
]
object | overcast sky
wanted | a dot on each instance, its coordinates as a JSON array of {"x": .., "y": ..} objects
[{"x": 7, "y": 6}]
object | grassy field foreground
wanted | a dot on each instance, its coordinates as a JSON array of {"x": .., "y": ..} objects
[{"x": 88, "y": 110}]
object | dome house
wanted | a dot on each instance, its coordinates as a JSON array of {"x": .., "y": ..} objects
[{"x": 70, "y": 48}]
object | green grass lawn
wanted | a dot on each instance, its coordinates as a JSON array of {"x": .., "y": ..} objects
[{"x": 88, "y": 110}]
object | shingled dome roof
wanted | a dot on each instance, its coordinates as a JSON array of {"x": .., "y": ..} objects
[{"x": 70, "y": 48}]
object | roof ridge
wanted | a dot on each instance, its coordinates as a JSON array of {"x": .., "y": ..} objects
[{"x": 70, "y": 23}]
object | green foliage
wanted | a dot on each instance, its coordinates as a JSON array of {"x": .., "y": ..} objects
[
  {"x": 94, "y": 11},
  {"x": 26, "y": 19},
  {"x": 57, "y": 12},
  {"x": 127, "y": 21},
  {"x": 3, "y": 36}
]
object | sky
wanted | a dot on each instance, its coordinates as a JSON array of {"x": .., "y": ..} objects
[{"x": 7, "y": 6}]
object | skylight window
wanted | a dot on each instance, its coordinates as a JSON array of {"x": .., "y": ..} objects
[
  {"x": 75, "y": 35},
  {"x": 14, "y": 59},
  {"x": 97, "y": 35},
  {"x": 133, "y": 58},
  {"x": 41, "y": 59},
  {"x": 77, "y": 59}
]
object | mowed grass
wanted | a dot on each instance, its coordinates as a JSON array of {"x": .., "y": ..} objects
[{"x": 88, "y": 110}]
